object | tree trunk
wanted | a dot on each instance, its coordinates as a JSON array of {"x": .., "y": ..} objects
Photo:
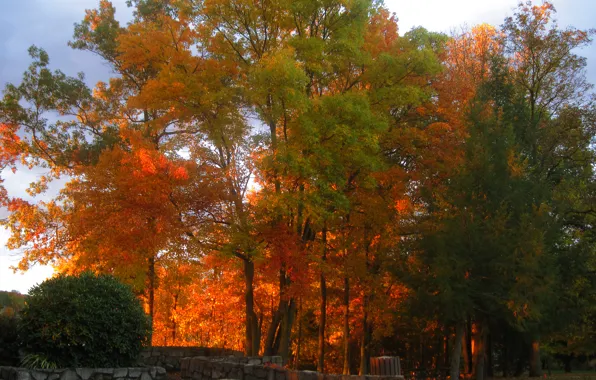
[
  {"x": 364, "y": 343},
  {"x": 323, "y": 309},
  {"x": 272, "y": 331},
  {"x": 480, "y": 350},
  {"x": 457, "y": 349},
  {"x": 278, "y": 316},
  {"x": 252, "y": 333},
  {"x": 505, "y": 360},
  {"x": 286, "y": 331},
  {"x": 322, "y": 323},
  {"x": 299, "y": 343},
  {"x": 151, "y": 289},
  {"x": 277, "y": 342},
  {"x": 367, "y": 325},
  {"x": 490, "y": 372},
  {"x": 535, "y": 363},
  {"x": 346, "y": 370},
  {"x": 567, "y": 363},
  {"x": 445, "y": 362},
  {"x": 467, "y": 348},
  {"x": 174, "y": 325},
  {"x": 519, "y": 367}
]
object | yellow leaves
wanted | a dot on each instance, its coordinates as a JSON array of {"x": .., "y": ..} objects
[
  {"x": 95, "y": 17},
  {"x": 541, "y": 14},
  {"x": 520, "y": 312},
  {"x": 381, "y": 33},
  {"x": 279, "y": 73},
  {"x": 516, "y": 165},
  {"x": 38, "y": 186},
  {"x": 154, "y": 45},
  {"x": 467, "y": 65}
]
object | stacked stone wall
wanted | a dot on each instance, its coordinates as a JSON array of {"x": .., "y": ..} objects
[
  {"x": 144, "y": 373},
  {"x": 255, "y": 368},
  {"x": 170, "y": 357}
]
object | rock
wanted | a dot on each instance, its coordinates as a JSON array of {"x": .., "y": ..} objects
[
  {"x": 260, "y": 372},
  {"x": 120, "y": 373},
  {"x": 38, "y": 375},
  {"x": 184, "y": 364},
  {"x": 249, "y": 369},
  {"x": 23, "y": 375},
  {"x": 280, "y": 374},
  {"x": 134, "y": 373},
  {"x": 85, "y": 373},
  {"x": 69, "y": 374},
  {"x": 5, "y": 373},
  {"x": 308, "y": 375}
]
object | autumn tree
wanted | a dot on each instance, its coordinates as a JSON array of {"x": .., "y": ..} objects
[
  {"x": 121, "y": 152},
  {"x": 520, "y": 101},
  {"x": 356, "y": 189}
]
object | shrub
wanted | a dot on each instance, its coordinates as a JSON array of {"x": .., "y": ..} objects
[
  {"x": 83, "y": 321},
  {"x": 9, "y": 348}
]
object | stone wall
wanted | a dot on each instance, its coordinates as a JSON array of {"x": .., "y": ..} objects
[
  {"x": 169, "y": 357},
  {"x": 144, "y": 373},
  {"x": 265, "y": 368}
]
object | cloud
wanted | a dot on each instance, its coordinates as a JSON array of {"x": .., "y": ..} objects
[
  {"x": 21, "y": 282},
  {"x": 49, "y": 25}
]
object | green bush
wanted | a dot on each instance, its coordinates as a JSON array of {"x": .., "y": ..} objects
[
  {"x": 9, "y": 347},
  {"x": 83, "y": 321}
]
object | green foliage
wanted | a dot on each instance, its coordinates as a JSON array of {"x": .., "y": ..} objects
[
  {"x": 13, "y": 300},
  {"x": 83, "y": 321},
  {"x": 467, "y": 167},
  {"x": 9, "y": 347},
  {"x": 510, "y": 240},
  {"x": 37, "y": 361}
]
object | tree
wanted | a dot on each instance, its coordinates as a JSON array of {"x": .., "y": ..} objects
[
  {"x": 334, "y": 177},
  {"x": 509, "y": 222},
  {"x": 61, "y": 323}
]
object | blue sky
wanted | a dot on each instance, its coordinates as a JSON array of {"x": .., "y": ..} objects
[{"x": 49, "y": 24}]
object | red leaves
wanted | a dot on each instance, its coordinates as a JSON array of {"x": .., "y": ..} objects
[
  {"x": 147, "y": 162},
  {"x": 11, "y": 148}
]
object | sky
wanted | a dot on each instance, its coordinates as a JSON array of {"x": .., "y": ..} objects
[{"x": 49, "y": 24}]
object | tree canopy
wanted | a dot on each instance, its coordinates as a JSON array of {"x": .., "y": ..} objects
[{"x": 355, "y": 190}]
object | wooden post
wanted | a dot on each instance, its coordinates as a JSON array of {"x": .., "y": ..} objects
[{"x": 385, "y": 366}]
